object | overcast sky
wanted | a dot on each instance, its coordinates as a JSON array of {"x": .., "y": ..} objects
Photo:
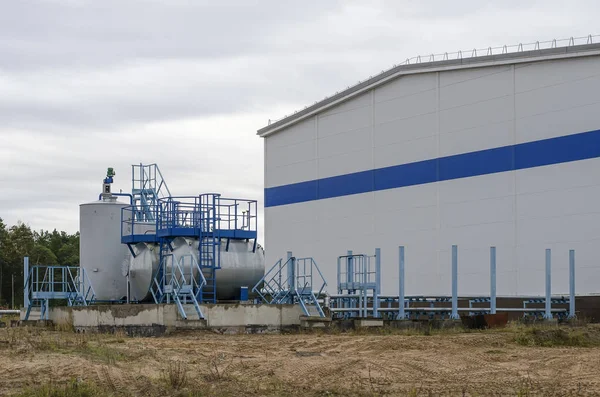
[{"x": 85, "y": 85}]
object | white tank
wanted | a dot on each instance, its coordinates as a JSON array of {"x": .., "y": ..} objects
[
  {"x": 100, "y": 250},
  {"x": 239, "y": 267}
]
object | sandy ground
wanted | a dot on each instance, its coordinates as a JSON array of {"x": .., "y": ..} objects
[{"x": 481, "y": 363}]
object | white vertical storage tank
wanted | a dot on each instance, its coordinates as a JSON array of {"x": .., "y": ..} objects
[{"x": 100, "y": 250}]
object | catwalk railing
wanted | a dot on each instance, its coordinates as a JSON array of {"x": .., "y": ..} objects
[{"x": 46, "y": 283}]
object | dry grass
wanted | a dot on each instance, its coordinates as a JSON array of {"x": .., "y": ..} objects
[{"x": 516, "y": 361}]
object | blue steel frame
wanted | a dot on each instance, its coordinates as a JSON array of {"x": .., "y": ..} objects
[
  {"x": 358, "y": 284},
  {"x": 45, "y": 283},
  {"x": 345, "y": 304},
  {"x": 155, "y": 216},
  {"x": 295, "y": 281}
]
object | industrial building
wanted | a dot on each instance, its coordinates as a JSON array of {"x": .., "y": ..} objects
[{"x": 497, "y": 150}]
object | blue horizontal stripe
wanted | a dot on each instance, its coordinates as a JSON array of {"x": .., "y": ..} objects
[{"x": 563, "y": 149}]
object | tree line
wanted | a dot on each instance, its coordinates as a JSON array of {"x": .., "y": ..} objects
[{"x": 43, "y": 248}]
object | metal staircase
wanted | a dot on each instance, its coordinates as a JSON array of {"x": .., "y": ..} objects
[
  {"x": 295, "y": 281},
  {"x": 45, "y": 283},
  {"x": 180, "y": 281},
  {"x": 147, "y": 187}
]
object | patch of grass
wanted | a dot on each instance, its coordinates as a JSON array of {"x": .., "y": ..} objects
[
  {"x": 175, "y": 375},
  {"x": 74, "y": 388},
  {"x": 558, "y": 337}
]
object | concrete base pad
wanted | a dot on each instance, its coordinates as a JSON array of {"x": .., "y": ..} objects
[
  {"x": 156, "y": 320},
  {"x": 314, "y": 322},
  {"x": 368, "y": 322}
]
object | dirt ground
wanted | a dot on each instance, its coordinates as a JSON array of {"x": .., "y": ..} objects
[{"x": 509, "y": 362}]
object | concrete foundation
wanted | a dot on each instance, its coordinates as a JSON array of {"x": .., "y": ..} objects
[
  {"x": 368, "y": 322},
  {"x": 156, "y": 320}
]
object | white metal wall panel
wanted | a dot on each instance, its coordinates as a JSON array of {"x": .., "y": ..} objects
[
  {"x": 425, "y": 116},
  {"x": 291, "y": 155}
]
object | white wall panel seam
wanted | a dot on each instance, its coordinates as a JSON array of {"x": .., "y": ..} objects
[
  {"x": 466, "y": 225},
  {"x": 403, "y": 96},
  {"x": 276, "y": 167},
  {"x": 290, "y": 144},
  {"x": 317, "y": 143},
  {"x": 437, "y": 189},
  {"x": 446, "y": 109},
  {"x": 559, "y": 110},
  {"x": 406, "y": 118},
  {"x": 568, "y": 189},
  {"x": 569, "y": 215},
  {"x": 408, "y": 141},
  {"x": 558, "y": 84},
  {"x": 507, "y": 69},
  {"x": 376, "y": 102},
  {"x": 514, "y": 179},
  {"x": 344, "y": 154},
  {"x": 340, "y": 133}
]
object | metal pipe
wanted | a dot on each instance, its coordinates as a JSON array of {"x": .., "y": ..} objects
[
  {"x": 548, "y": 312},
  {"x": 10, "y": 312},
  {"x": 377, "y": 281},
  {"x": 350, "y": 271},
  {"x": 26, "y": 282},
  {"x": 571, "y": 283},
  {"x": 447, "y": 309},
  {"x": 493, "y": 280},
  {"x": 401, "y": 312},
  {"x": 290, "y": 271},
  {"x": 454, "y": 314},
  {"x": 120, "y": 195}
]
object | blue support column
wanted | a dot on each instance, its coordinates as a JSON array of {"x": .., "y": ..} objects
[
  {"x": 377, "y": 291},
  {"x": 492, "y": 280},
  {"x": 571, "y": 283},
  {"x": 350, "y": 274},
  {"x": 290, "y": 271},
  {"x": 454, "y": 315},
  {"x": 350, "y": 279},
  {"x": 548, "y": 311},
  {"x": 26, "y": 286},
  {"x": 401, "y": 311}
]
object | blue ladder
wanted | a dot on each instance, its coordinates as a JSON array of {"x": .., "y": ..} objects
[{"x": 209, "y": 244}]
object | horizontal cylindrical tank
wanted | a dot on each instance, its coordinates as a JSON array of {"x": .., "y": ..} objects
[
  {"x": 100, "y": 250},
  {"x": 239, "y": 266}
]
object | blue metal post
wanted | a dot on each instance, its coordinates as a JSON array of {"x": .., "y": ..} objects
[
  {"x": 401, "y": 312},
  {"x": 350, "y": 279},
  {"x": 290, "y": 271},
  {"x": 377, "y": 282},
  {"x": 492, "y": 280},
  {"x": 571, "y": 283},
  {"x": 454, "y": 315},
  {"x": 548, "y": 311},
  {"x": 26, "y": 286},
  {"x": 350, "y": 271},
  {"x": 339, "y": 275}
]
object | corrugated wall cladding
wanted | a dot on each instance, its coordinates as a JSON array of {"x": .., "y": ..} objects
[{"x": 506, "y": 156}]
